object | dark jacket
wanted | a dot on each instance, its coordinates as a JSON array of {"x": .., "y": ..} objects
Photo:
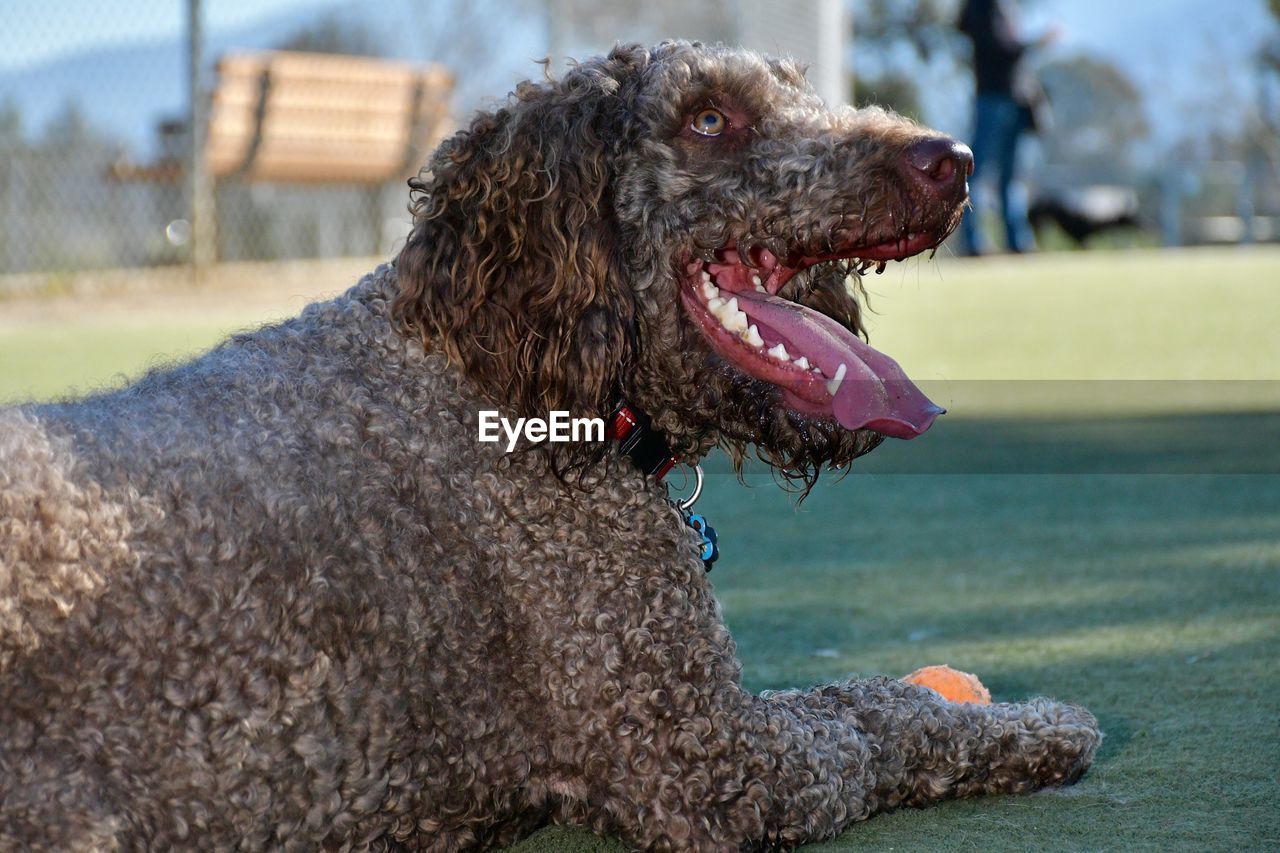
[{"x": 998, "y": 66}]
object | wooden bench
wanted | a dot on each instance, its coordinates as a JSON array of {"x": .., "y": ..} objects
[{"x": 317, "y": 119}]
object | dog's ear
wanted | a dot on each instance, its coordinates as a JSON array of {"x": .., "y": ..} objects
[{"x": 513, "y": 267}]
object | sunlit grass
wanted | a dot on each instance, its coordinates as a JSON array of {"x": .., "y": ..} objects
[
  {"x": 1190, "y": 314},
  {"x": 52, "y": 362},
  {"x": 1141, "y": 315}
]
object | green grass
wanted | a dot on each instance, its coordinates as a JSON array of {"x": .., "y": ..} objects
[
  {"x": 1182, "y": 315},
  {"x": 1152, "y": 599},
  {"x": 44, "y": 363},
  {"x": 64, "y": 345},
  {"x": 1116, "y": 543}
]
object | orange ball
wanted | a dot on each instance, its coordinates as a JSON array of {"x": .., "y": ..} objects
[{"x": 951, "y": 684}]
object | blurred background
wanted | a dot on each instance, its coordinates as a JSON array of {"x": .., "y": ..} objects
[
  {"x": 1165, "y": 125},
  {"x": 1095, "y": 518}
]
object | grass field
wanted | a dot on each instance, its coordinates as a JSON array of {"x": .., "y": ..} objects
[{"x": 1098, "y": 518}]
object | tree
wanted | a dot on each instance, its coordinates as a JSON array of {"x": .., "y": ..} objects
[
  {"x": 1099, "y": 118},
  {"x": 923, "y": 27},
  {"x": 1268, "y": 108},
  {"x": 333, "y": 35},
  {"x": 70, "y": 134},
  {"x": 893, "y": 41},
  {"x": 1269, "y": 66},
  {"x": 10, "y": 124}
]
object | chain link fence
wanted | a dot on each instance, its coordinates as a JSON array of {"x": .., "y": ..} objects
[{"x": 96, "y": 158}]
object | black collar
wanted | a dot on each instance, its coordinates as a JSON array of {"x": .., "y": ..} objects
[{"x": 638, "y": 439}]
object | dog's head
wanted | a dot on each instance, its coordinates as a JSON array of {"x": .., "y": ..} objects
[{"x": 683, "y": 228}]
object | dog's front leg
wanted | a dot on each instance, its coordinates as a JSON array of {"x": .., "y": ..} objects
[
  {"x": 651, "y": 737},
  {"x": 737, "y": 770},
  {"x": 927, "y": 748},
  {"x": 673, "y": 754},
  {"x": 793, "y": 767}
]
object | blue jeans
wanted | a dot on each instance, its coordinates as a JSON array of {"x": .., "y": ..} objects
[{"x": 998, "y": 125}]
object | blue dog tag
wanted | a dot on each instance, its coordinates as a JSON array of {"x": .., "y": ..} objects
[{"x": 710, "y": 550}]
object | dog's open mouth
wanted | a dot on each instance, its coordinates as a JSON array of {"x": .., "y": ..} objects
[{"x": 822, "y": 368}]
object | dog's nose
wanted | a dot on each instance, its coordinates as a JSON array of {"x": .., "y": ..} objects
[{"x": 941, "y": 164}]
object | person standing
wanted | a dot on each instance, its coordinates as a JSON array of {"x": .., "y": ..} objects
[{"x": 1009, "y": 103}]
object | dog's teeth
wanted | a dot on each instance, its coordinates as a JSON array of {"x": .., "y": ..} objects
[
  {"x": 752, "y": 336},
  {"x": 729, "y": 315},
  {"x": 706, "y": 276},
  {"x": 757, "y": 283},
  {"x": 724, "y": 308},
  {"x": 779, "y": 352},
  {"x": 709, "y": 290},
  {"x": 801, "y": 362},
  {"x": 833, "y": 384}
]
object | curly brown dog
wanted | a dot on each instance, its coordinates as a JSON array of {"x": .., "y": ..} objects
[{"x": 282, "y": 596}]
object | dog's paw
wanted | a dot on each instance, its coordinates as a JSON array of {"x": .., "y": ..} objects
[{"x": 1066, "y": 738}]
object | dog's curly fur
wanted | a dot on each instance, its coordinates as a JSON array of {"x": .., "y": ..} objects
[{"x": 280, "y": 596}]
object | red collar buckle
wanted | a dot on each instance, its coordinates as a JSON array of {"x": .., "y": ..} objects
[{"x": 637, "y": 439}]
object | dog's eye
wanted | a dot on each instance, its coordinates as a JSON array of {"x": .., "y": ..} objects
[{"x": 709, "y": 122}]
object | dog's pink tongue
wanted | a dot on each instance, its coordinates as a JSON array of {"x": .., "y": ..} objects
[
  {"x": 875, "y": 394},
  {"x": 888, "y": 403}
]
